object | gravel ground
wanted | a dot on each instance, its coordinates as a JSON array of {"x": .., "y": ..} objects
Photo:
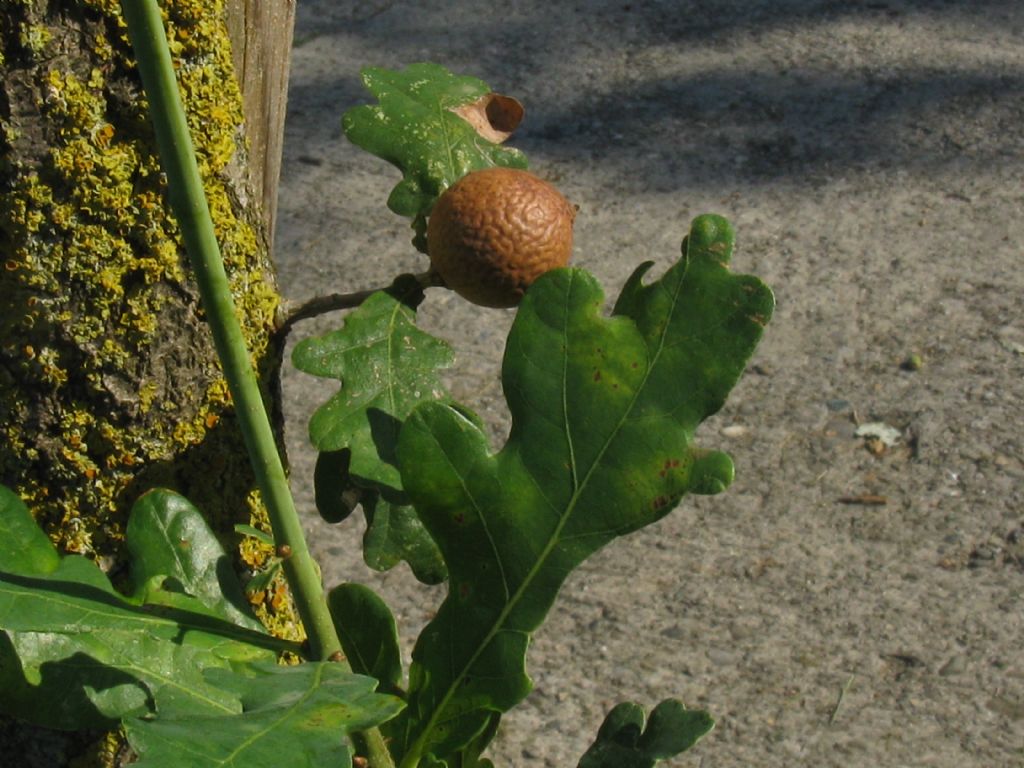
[{"x": 846, "y": 602}]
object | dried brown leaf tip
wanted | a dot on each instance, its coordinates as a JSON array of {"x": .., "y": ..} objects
[{"x": 493, "y": 116}]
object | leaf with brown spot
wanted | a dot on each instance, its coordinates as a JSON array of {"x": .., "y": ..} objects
[
  {"x": 415, "y": 127},
  {"x": 589, "y": 458}
]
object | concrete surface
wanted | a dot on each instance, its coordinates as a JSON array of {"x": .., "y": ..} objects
[{"x": 869, "y": 155}]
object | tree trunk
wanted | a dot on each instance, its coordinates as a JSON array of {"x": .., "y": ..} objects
[{"x": 109, "y": 383}]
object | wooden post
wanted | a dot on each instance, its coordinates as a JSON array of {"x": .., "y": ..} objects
[{"x": 261, "y": 43}]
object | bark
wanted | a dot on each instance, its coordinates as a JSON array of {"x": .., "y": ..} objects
[{"x": 108, "y": 380}]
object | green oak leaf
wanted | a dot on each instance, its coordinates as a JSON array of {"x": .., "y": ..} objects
[
  {"x": 77, "y": 598},
  {"x": 412, "y": 127},
  {"x": 394, "y": 533},
  {"x": 24, "y": 547},
  {"x": 624, "y": 742},
  {"x": 604, "y": 411},
  {"x": 387, "y": 366},
  {"x": 93, "y": 679},
  {"x": 171, "y": 544},
  {"x": 75, "y": 653},
  {"x": 291, "y": 717},
  {"x": 368, "y": 634}
]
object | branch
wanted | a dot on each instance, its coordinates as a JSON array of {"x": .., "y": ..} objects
[{"x": 321, "y": 305}]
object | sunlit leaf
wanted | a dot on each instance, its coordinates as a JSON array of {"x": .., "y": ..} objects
[
  {"x": 386, "y": 366},
  {"x": 413, "y": 127},
  {"x": 261, "y": 536},
  {"x": 168, "y": 537},
  {"x": 24, "y": 548},
  {"x": 93, "y": 679},
  {"x": 604, "y": 411},
  {"x": 291, "y": 717},
  {"x": 77, "y": 598},
  {"x": 75, "y": 653}
]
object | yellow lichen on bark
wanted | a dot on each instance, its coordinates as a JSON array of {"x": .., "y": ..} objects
[{"x": 99, "y": 319}]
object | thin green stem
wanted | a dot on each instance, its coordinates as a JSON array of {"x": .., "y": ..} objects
[{"x": 188, "y": 203}]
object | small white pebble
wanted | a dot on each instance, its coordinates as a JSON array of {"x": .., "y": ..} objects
[{"x": 734, "y": 430}]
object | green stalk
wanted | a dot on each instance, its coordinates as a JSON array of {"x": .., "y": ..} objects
[{"x": 188, "y": 203}]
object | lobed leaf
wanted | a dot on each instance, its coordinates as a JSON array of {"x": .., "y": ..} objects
[
  {"x": 77, "y": 598},
  {"x": 75, "y": 653},
  {"x": 394, "y": 533},
  {"x": 623, "y": 741},
  {"x": 387, "y": 366},
  {"x": 413, "y": 126},
  {"x": 290, "y": 717},
  {"x": 168, "y": 537},
  {"x": 368, "y": 634},
  {"x": 604, "y": 411},
  {"x": 93, "y": 679}
]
